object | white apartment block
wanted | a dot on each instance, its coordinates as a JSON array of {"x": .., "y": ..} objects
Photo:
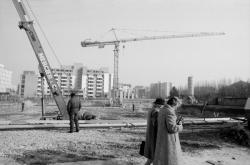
[
  {"x": 28, "y": 84},
  {"x": 5, "y": 79},
  {"x": 89, "y": 83},
  {"x": 96, "y": 83},
  {"x": 64, "y": 78}
]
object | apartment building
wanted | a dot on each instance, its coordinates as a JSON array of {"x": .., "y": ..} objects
[
  {"x": 96, "y": 82},
  {"x": 5, "y": 79},
  {"x": 28, "y": 84},
  {"x": 64, "y": 78},
  {"x": 160, "y": 89},
  {"x": 90, "y": 83}
]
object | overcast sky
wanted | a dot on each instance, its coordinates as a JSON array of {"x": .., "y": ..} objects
[{"x": 68, "y": 22}]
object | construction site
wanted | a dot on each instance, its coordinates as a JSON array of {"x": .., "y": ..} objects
[{"x": 35, "y": 122}]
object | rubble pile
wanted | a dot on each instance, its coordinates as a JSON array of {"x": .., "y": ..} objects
[{"x": 237, "y": 135}]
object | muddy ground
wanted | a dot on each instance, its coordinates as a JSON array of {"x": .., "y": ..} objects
[{"x": 108, "y": 146}]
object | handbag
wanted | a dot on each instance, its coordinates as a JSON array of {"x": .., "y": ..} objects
[{"x": 142, "y": 146}]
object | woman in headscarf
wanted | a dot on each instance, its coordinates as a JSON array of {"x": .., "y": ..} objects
[{"x": 151, "y": 132}]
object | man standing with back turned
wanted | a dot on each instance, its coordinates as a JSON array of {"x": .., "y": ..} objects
[{"x": 73, "y": 107}]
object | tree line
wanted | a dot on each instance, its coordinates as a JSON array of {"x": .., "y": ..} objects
[{"x": 224, "y": 88}]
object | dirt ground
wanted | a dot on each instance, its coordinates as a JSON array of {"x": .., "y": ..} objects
[{"x": 113, "y": 146}]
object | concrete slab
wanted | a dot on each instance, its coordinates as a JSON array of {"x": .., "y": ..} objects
[
  {"x": 94, "y": 162},
  {"x": 84, "y": 121},
  {"x": 57, "y": 126},
  {"x": 5, "y": 122}
]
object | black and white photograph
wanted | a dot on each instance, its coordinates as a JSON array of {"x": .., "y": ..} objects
[{"x": 124, "y": 82}]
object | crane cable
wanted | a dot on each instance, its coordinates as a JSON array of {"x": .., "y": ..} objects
[
  {"x": 46, "y": 38},
  {"x": 43, "y": 33}
]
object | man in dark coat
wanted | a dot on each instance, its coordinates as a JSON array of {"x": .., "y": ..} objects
[
  {"x": 73, "y": 107},
  {"x": 151, "y": 132}
]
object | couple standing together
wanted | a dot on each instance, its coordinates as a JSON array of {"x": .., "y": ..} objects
[{"x": 162, "y": 146}]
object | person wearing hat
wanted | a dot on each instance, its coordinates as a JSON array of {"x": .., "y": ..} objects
[
  {"x": 168, "y": 148},
  {"x": 151, "y": 132},
  {"x": 73, "y": 107}
]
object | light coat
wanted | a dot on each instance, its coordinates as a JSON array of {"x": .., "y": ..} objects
[{"x": 168, "y": 149}]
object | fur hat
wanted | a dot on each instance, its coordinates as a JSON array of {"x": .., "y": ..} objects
[{"x": 159, "y": 101}]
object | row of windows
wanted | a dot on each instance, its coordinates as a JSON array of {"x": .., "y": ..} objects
[
  {"x": 97, "y": 88},
  {"x": 61, "y": 70}
]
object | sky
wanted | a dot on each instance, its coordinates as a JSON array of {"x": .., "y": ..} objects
[{"x": 66, "y": 23}]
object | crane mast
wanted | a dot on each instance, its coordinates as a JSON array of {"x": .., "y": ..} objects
[
  {"x": 115, "y": 92},
  {"x": 27, "y": 24},
  {"x": 116, "y": 43}
]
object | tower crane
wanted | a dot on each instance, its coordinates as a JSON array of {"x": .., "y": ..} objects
[{"x": 117, "y": 42}]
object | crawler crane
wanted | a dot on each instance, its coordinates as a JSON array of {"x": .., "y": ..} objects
[{"x": 27, "y": 24}]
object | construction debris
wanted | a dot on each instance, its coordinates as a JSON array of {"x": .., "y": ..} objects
[
  {"x": 237, "y": 135},
  {"x": 214, "y": 162}
]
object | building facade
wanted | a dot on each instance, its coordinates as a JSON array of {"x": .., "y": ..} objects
[
  {"x": 28, "y": 84},
  {"x": 140, "y": 92},
  {"x": 5, "y": 79},
  {"x": 64, "y": 78},
  {"x": 160, "y": 89},
  {"x": 89, "y": 83},
  {"x": 190, "y": 86},
  {"x": 77, "y": 75},
  {"x": 126, "y": 91},
  {"x": 96, "y": 83}
]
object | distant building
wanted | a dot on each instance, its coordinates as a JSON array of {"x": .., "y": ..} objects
[
  {"x": 5, "y": 79},
  {"x": 89, "y": 83},
  {"x": 140, "y": 92},
  {"x": 28, "y": 84},
  {"x": 190, "y": 86},
  {"x": 126, "y": 91},
  {"x": 160, "y": 89},
  {"x": 64, "y": 78},
  {"x": 96, "y": 82},
  {"x": 77, "y": 75}
]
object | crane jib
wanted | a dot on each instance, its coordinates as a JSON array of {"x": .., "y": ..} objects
[
  {"x": 47, "y": 71},
  {"x": 27, "y": 25}
]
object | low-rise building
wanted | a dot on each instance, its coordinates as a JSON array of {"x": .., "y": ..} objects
[{"x": 126, "y": 91}]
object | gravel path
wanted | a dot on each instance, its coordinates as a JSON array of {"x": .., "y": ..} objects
[
  {"x": 44, "y": 147},
  {"x": 108, "y": 146},
  {"x": 93, "y": 146}
]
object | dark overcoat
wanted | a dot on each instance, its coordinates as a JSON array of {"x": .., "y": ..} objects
[
  {"x": 168, "y": 149},
  {"x": 151, "y": 133},
  {"x": 74, "y": 105}
]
